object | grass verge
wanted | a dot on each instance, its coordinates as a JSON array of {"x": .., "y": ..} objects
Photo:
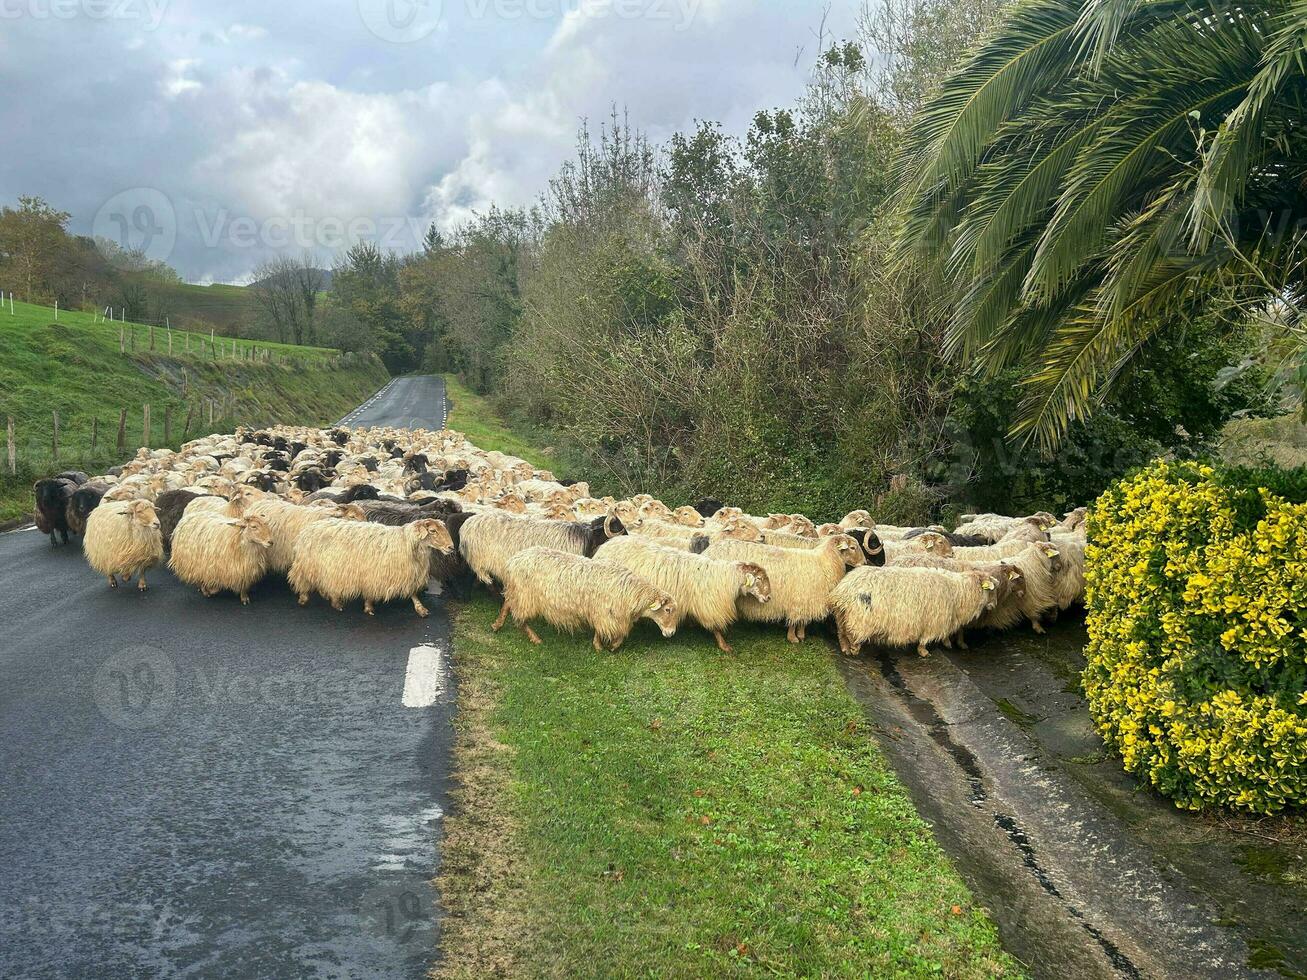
[
  {"x": 672, "y": 811},
  {"x": 475, "y": 417},
  {"x": 74, "y": 367}
]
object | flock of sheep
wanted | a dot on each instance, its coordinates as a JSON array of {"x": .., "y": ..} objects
[{"x": 375, "y": 514}]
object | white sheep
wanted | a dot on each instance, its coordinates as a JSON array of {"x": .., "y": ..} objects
[
  {"x": 570, "y": 592},
  {"x": 800, "y": 579},
  {"x": 926, "y": 543},
  {"x": 489, "y": 540},
  {"x": 1040, "y": 565},
  {"x": 123, "y": 538},
  {"x": 344, "y": 560},
  {"x": 286, "y": 521},
  {"x": 900, "y": 606},
  {"x": 215, "y": 553},
  {"x": 705, "y": 589}
]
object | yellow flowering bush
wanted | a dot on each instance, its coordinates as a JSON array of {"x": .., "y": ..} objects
[{"x": 1197, "y": 675}]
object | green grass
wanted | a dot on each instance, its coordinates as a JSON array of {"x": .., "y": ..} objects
[
  {"x": 228, "y": 308},
  {"x": 75, "y": 367},
  {"x": 474, "y": 416},
  {"x": 682, "y": 812},
  {"x": 668, "y": 810}
]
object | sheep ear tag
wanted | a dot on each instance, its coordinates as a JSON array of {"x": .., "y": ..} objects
[
  {"x": 656, "y": 606},
  {"x": 748, "y": 581},
  {"x": 987, "y": 585}
]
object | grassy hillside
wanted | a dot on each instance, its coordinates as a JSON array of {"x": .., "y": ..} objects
[
  {"x": 224, "y": 307},
  {"x": 75, "y": 367}
]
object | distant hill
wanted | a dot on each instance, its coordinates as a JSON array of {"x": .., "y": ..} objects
[
  {"x": 191, "y": 307},
  {"x": 324, "y": 273}
]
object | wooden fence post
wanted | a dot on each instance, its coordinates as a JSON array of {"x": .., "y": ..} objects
[
  {"x": 122, "y": 429},
  {"x": 170, "y": 355},
  {"x": 210, "y": 413},
  {"x": 95, "y": 434},
  {"x": 145, "y": 425},
  {"x": 183, "y": 382},
  {"x": 13, "y": 455},
  {"x": 54, "y": 441},
  {"x": 122, "y": 341},
  {"x": 151, "y": 336},
  {"x": 167, "y": 425},
  {"x": 186, "y": 429}
]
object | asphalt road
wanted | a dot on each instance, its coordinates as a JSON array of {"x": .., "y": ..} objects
[{"x": 193, "y": 788}]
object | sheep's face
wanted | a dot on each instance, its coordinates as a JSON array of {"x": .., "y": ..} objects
[
  {"x": 655, "y": 510},
  {"x": 1051, "y": 555},
  {"x": 803, "y": 527},
  {"x": 142, "y": 513},
  {"x": 627, "y": 512},
  {"x": 775, "y": 522},
  {"x": 827, "y": 530},
  {"x": 741, "y": 530},
  {"x": 433, "y": 534},
  {"x": 756, "y": 584},
  {"x": 254, "y": 530},
  {"x": 725, "y": 514},
  {"x": 688, "y": 517},
  {"x": 989, "y": 588},
  {"x": 1016, "y": 581},
  {"x": 663, "y": 612},
  {"x": 514, "y": 503},
  {"x": 857, "y": 518},
  {"x": 934, "y": 543},
  {"x": 848, "y": 549},
  {"x": 350, "y": 512}
]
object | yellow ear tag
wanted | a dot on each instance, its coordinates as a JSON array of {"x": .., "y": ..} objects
[
  {"x": 748, "y": 581},
  {"x": 655, "y": 607},
  {"x": 988, "y": 586}
]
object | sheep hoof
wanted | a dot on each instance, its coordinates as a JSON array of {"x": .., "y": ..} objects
[
  {"x": 369, "y": 609},
  {"x": 304, "y": 600},
  {"x": 1038, "y": 628},
  {"x": 113, "y": 582},
  {"x": 922, "y": 651},
  {"x": 245, "y": 598},
  {"x": 531, "y": 635},
  {"x": 420, "y": 609},
  {"x": 141, "y": 586},
  {"x": 722, "y": 645}
]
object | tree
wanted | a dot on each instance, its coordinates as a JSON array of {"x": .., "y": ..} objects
[
  {"x": 286, "y": 292},
  {"x": 31, "y": 238},
  {"x": 1097, "y": 171}
]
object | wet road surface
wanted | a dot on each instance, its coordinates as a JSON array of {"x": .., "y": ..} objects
[{"x": 194, "y": 788}]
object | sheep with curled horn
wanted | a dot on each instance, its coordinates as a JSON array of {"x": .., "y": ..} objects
[
  {"x": 705, "y": 589},
  {"x": 801, "y": 579},
  {"x": 571, "y": 592},
  {"x": 489, "y": 540}
]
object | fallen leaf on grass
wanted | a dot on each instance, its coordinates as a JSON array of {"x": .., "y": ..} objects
[
  {"x": 956, "y": 910},
  {"x": 656, "y": 725}
]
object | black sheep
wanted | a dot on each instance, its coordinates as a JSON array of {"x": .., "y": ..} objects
[
  {"x": 339, "y": 436},
  {"x": 51, "y": 512},
  {"x": 331, "y": 459},
  {"x": 84, "y": 500},
  {"x": 361, "y": 491},
  {"x": 310, "y": 480},
  {"x": 708, "y": 506},
  {"x": 871, "y": 544},
  {"x": 452, "y": 480},
  {"x": 417, "y": 463},
  {"x": 170, "y": 506}
]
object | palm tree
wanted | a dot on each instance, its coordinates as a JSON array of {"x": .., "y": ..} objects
[{"x": 1096, "y": 171}]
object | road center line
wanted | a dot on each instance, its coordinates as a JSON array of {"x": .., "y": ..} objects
[{"x": 424, "y": 680}]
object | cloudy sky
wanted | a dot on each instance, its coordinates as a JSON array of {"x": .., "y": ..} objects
[{"x": 211, "y": 133}]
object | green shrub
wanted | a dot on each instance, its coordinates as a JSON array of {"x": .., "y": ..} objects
[{"x": 1197, "y": 596}]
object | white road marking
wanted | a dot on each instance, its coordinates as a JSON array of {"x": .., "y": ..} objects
[{"x": 424, "y": 680}]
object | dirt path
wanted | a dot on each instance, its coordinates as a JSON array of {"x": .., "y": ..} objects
[{"x": 1086, "y": 875}]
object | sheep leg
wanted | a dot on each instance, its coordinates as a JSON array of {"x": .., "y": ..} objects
[
  {"x": 1038, "y": 626},
  {"x": 140, "y": 582},
  {"x": 63, "y": 533},
  {"x": 531, "y": 634},
  {"x": 722, "y": 645},
  {"x": 303, "y": 598},
  {"x": 921, "y": 649},
  {"x": 420, "y": 609},
  {"x": 803, "y": 632},
  {"x": 113, "y": 582},
  {"x": 337, "y": 605},
  {"x": 791, "y": 635},
  {"x": 948, "y": 642},
  {"x": 245, "y": 598},
  {"x": 599, "y": 647},
  {"x": 962, "y": 641},
  {"x": 503, "y": 617},
  {"x": 369, "y": 608}
]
